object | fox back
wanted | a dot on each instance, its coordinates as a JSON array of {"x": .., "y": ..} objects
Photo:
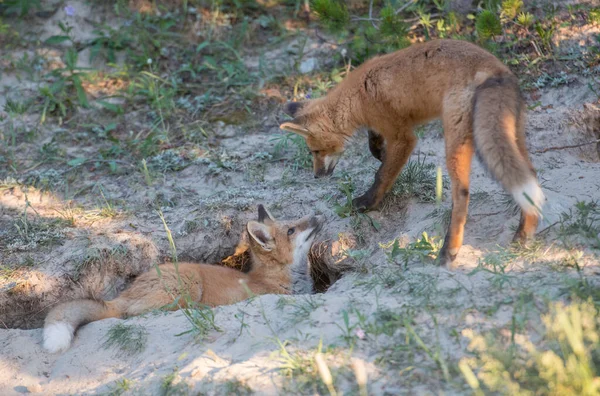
[{"x": 481, "y": 107}]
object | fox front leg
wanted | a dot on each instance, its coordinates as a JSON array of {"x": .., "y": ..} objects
[{"x": 395, "y": 157}]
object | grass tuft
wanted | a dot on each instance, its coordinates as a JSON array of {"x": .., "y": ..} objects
[{"x": 128, "y": 339}]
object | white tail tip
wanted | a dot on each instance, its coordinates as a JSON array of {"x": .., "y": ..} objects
[
  {"x": 530, "y": 197},
  {"x": 58, "y": 336}
]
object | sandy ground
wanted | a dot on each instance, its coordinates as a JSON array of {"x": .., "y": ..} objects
[{"x": 206, "y": 211}]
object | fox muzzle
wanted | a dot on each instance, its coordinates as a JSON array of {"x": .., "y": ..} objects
[{"x": 327, "y": 165}]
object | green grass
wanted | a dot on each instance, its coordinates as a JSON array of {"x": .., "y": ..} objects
[
  {"x": 173, "y": 385},
  {"x": 418, "y": 180},
  {"x": 423, "y": 250},
  {"x": 581, "y": 224},
  {"x": 120, "y": 387},
  {"x": 237, "y": 387},
  {"x": 202, "y": 318},
  {"x": 126, "y": 339},
  {"x": 564, "y": 364}
]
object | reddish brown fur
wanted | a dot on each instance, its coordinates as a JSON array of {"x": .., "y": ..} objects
[
  {"x": 474, "y": 93},
  {"x": 273, "y": 247}
]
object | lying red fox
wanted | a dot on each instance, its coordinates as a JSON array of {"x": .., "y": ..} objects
[
  {"x": 276, "y": 247},
  {"x": 476, "y": 96}
]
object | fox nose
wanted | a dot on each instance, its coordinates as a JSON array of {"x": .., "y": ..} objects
[
  {"x": 316, "y": 222},
  {"x": 323, "y": 172}
]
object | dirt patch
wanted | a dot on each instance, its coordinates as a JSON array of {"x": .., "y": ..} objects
[{"x": 82, "y": 195}]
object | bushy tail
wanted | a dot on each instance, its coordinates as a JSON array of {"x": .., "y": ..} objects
[
  {"x": 497, "y": 128},
  {"x": 64, "y": 319}
]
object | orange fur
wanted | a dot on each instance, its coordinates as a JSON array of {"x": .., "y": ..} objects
[
  {"x": 475, "y": 95},
  {"x": 276, "y": 248}
]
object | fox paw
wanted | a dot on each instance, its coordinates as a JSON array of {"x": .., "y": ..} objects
[
  {"x": 445, "y": 259},
  {"x": 364, "y": 203}
]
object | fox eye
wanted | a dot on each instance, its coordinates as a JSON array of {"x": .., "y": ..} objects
[
  {"x": 316, "y": 152},
  {"x": 291, "y": 231}
]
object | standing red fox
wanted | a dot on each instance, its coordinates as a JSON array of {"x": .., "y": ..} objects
[
  {"x": 277, "y": 249},
  {"x": 476, "y": 96}
]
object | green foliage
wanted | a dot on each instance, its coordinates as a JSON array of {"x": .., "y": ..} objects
[
  {"x": 18, "y": 7},
  {"x": 333, "y": 13},
  {"x": 525, "y": 19},
  {"x": 419, "y": 180},
  {"x": 58, "y": 97},
  {"x": 128, "y": 339},
  {"x": 422, "y": 250},
  {"x": 583, "y": 223},
  {"x": 302, "y": 158},
  {"x": 488, "y": 25},
  {"x": 120, "y": 387},
  {"x": 392, "y": 23},
  {"x": 564, "y": 365},
  {"x": 545, "y": 33},
  {"x": 594, "y": 16},
  {"x": 510, "y": 8}
]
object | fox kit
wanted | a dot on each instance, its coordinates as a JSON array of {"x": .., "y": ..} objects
[
  {"x": 476, "y": 96},
  {"x": 276, "y": 248}
]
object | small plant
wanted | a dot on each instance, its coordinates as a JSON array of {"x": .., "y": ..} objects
[
  {"x": 496, "y": 263},
  {"x": 237, "y": 387},
  {"x": 303, "y": 306},
  {"x": 594, "y": 16},
  {"x": 525, "y": 19},
  {"x": 346, "y": 209},
  {"x": 30, "y": 234},
  {"x": 201, "y": 317},
  {"x": 166, "y": 161},
  {"x": 57, "y": 97},
  {"x": 582, "y": 287},
  {"x": 302, "y": 157},
  {"x": 582, "y": 222},
  {"x": 418, "y": 179},
  {"x": 301, "y": 368},
  {"x": 173, "y": 385},
  {"x": 120, "y": 386},
  {"x": 545, "y": 34},
  {"x": 564, "y": 366},
  {"x": 510, "y": 8},
  {"x": 18, "y": 7},
  {"x": 488, "y": 25},
  {"x": 332, "y": 13},
  {"x": 128, "y": 339},
  {"x": 424, "y": 249}
]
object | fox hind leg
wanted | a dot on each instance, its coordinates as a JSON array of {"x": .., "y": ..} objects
[{"x": 459, "y": 155}]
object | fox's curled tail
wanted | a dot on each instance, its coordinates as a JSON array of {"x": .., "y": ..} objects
[
  {"x": 498, "y": 129},
  {"x": 64, "y": 319}
]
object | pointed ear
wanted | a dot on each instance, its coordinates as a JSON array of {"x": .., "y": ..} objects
[
  {"x": 295, "y": 128},
  {"x": 264, "y": 216},
  {"x": 260, "y": 234},
  {"x": 292, "y": 108}
]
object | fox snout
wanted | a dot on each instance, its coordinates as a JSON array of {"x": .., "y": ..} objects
[
  {"x": 323, "y": 172},
  {"x": 325, "y": 166},
  {"x": 315, "y": 223}
]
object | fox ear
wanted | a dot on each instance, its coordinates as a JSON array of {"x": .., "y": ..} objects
[
  {"x": 259, "y": 233},
  {"x": 295, "y": 128},
  {"x": 264, "y": 216},
  {"x": 292, "y": 108}
]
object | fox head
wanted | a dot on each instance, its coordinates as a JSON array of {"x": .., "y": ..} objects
[
  {"x": 316, "y": 126},
  {"x": 279, "y": 244}
]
